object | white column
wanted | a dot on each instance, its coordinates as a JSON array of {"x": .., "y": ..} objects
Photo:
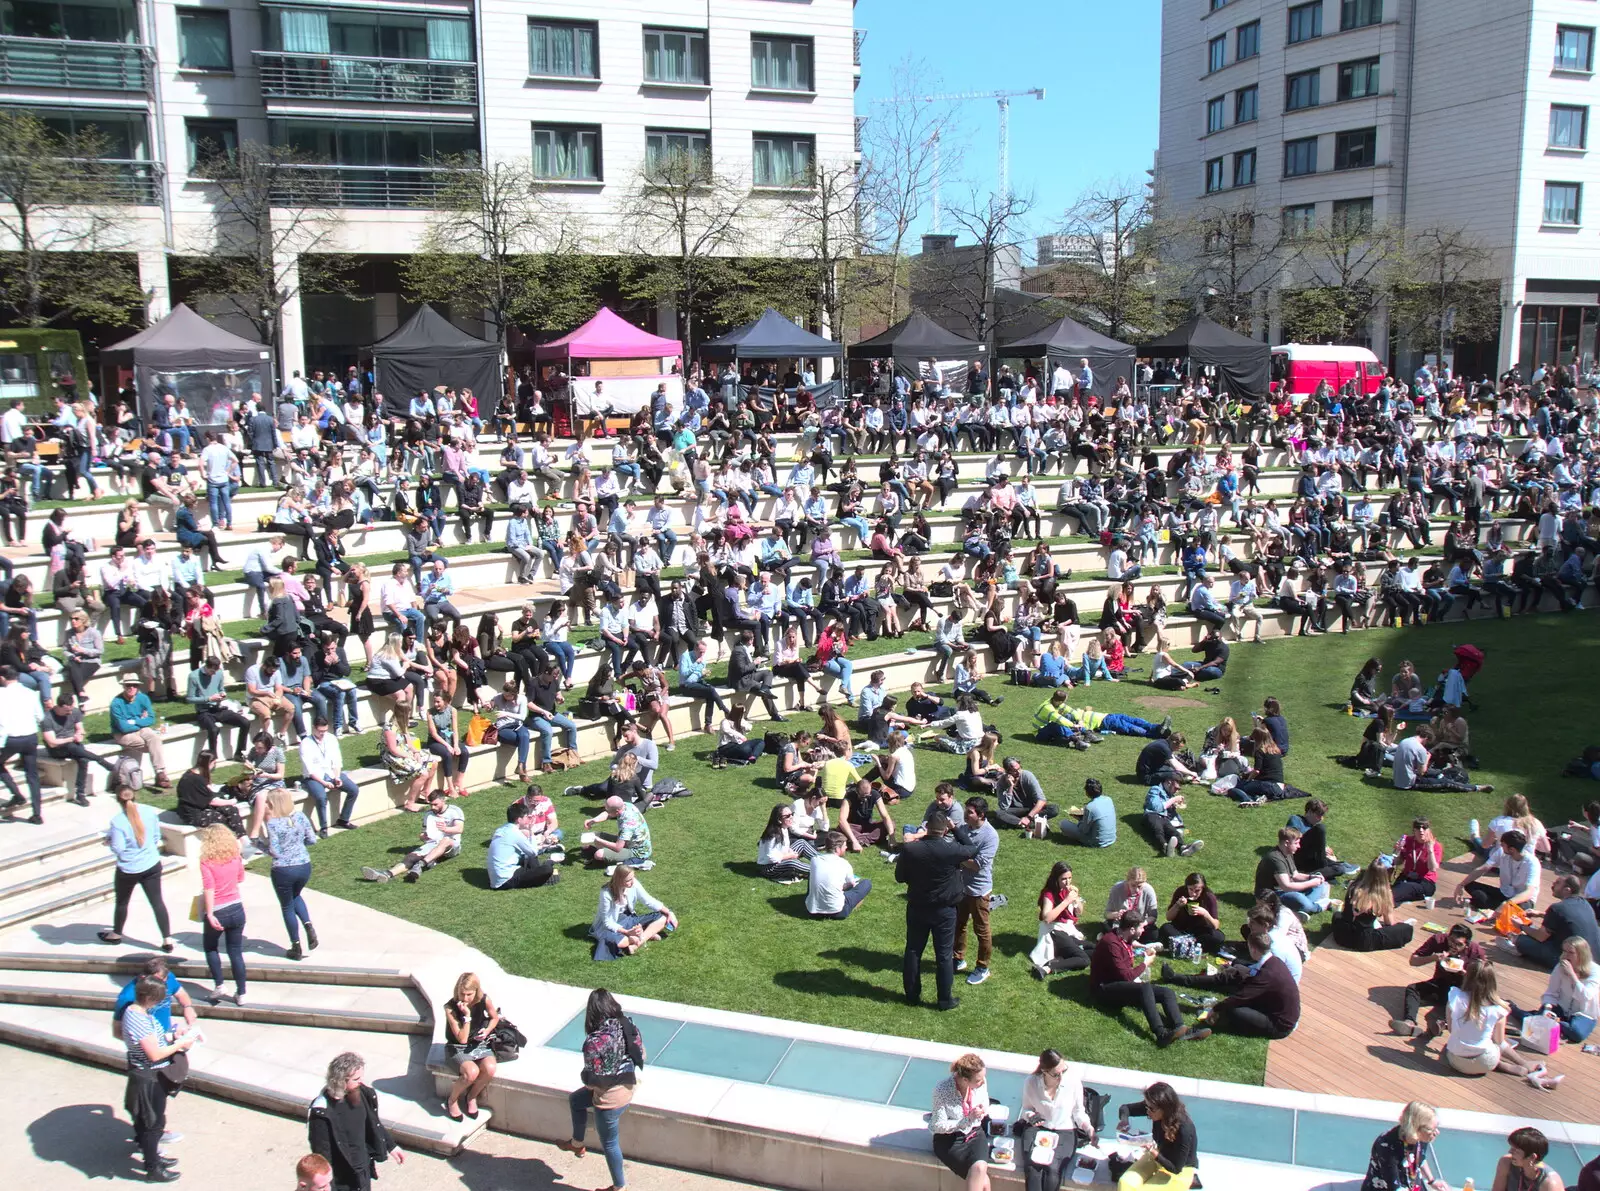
[
  {"x": 291, "y": 334},
  {"x": 153, "y": 281},
  {"x": 1511, "y": 323}
]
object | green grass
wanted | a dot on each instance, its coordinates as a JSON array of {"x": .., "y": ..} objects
[{"x": 747, "y": 946}]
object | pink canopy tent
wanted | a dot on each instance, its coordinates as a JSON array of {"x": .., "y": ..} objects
[{"x": 608, "y": 336}]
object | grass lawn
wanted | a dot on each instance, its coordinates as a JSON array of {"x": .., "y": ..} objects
[{"x": 747, "y": 945}]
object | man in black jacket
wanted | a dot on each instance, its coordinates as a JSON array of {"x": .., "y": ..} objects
[
  {"x": 931, "y": 870},
  {"x": 344, "y": 1126},
  {"x": 748, "y": 678}
]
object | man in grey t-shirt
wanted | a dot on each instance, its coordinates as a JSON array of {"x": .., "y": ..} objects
[
  {"x": 645, "y": 749},
  {"x": 1096, "y": 827},
  {"x": 974, "y": 905}
]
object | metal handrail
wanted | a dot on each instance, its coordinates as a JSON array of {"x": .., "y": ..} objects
[
  {"x": 61, "y": 62},
  {"x": 131, "y": 180},
  {"x": 287, "y": 75},
  {"x": 372, "y": 186},
  {"x": 860, "y": 36}
]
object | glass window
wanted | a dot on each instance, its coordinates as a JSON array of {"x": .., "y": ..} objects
[
  {"x": 1216, "y": 4},
  {"x": 1574, "y": 47},
  {"x": 1305, "y": 22},
  {"x": 1354, "y": 14},
  {"x": 675, "y": 56},
  {"x": 662, "y": 144},
  {"x": 781, "y": 63},
  {"x": 1245, "y": 104},
  {"x": 112, "y": 21},
  {"x": 1213, "y": 175},
  {"x": 374, "y": 142},
  {"x": 1299, "y": 220},
  {"x": 1353, "y": 215},
  {"x": 1216, "y": 115},
  {"x": 1561, "y": 200},
  {"x": 1303, "y": 90},
  {"x": 566, "y": 153},
  {"x": 1356, "y": 149},
  {"x": 203, "y": 41},
  {"x": 19, "y": 376},
  {"x": 1244, "y": 168},
  {"x": 1216, "y": 53},
  {"x": 1300, "y": 157},
  {"x": 1358, "y": 79},
  {"x": 562, "y": 49},
  {"x": 1569, "y": 127},
  {"x": 782, "y": 161},
  {"x": 123, "y": 133},
  {"x": 1248, "y": 38},
  {"x": 210, "y": 139}
]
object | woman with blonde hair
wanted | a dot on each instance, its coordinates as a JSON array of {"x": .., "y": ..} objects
[
  {"x": 358, "y": 599},
  {"x": 1477, "y": 1041},
  {"x": 388, "y": 677},
  {"x": 1399, "y": 1159},
  {"x": 1223, "y": 754},
  {"x": 405, "y": 762},
  {"x": 288, "y": 834},
  {"x": 222, "y": 909},
  {"x": 470, "y": 1018},
  {"x": 1572, "y": 995},
  {"x": 134, "y": 838},
  {"x": 960, "y": 1121},
  {"x": 1366, "y": 922}
]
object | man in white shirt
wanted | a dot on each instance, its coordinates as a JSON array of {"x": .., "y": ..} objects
[
  {"x": 441, "y": 839},
  {"x": 21, "y": 713},
  {"x": 117, "y": 587},
  {"x": 13, "y": 423},
  {"x": 323, "y": 769},
  {"x": 835, "y": 889},
  {"x": 146, "y": 568}
]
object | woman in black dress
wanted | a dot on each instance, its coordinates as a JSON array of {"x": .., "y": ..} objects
[{"x": 358, "y": 600}]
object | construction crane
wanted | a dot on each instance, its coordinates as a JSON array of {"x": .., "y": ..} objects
[{"x": 1003, "y": 98}]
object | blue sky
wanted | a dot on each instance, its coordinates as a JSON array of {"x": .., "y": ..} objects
[{"x": 1099, "y": 62}]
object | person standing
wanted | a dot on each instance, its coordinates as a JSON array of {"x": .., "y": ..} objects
[
  {"x": 345, "y": 1128},
  {"x": 134, "y": 838},
  {"x": 149, "y": 1066},
  {"x": 288, "y": 835},
  {"x": 21, "y": 713},
  {"x": 222, "y": 909},
  {"x": 613, "y": 1052},
  {"x": 979, "y": 880},
  {"x": 931, "y": 870}
]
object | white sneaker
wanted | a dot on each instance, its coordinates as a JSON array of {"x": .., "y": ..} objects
[{"x": 962, "y": 966}]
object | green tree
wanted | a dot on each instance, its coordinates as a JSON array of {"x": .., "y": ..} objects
[
  {"x": 1443, "y": 290},
  {"x": 61, "y": 218},
  {"x": 1350, "y": 264}
]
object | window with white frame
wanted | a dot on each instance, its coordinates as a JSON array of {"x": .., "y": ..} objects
[
  {"x": 664, "y": 146},
  {"x": 566, "y": 153},
  {"x": 676, "y": 56},
  {"x": 782, "y": 160},
  {"x": 781, "y": 63}
]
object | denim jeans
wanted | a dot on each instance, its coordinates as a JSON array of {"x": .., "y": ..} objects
[
  {"x": 1312, "y": 901},
  {"x": 231, "y": 919},
  {"x": 287, "y": 882},
  {"x": 844, "y": 671},
  {"x": 319, "y": 794},
  {"x": 1129, "y": 725},
  {"x": 412, "y": 618},
  {"x": 607, "y": 1123},
  {"x": 566, "y": 656},
  {"x": 522, "y": 738},
  {"x": 336, "y": 706},
  {"x": 546, "y": 725},
  {"x": 219, "y": 497}
]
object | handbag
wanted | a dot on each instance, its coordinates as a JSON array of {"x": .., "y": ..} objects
[
  {"x": 197, "y": 909},
  {"x": 506, "y": 1041},
  {"x": 176, "y": 1073}
]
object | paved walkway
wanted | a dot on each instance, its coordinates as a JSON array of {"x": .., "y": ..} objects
[{"x": 71, "y": 1118}]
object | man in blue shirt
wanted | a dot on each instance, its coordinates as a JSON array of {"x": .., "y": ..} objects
[
  {"x": 162, "y": 1011},
  {"x": 1096, "y": 824},
  {"x": 294, "y": 675},
  {"x": 514, "y": 860},
  {"x": 519, "y": 543},
  {"x": 974, "y": 906}
]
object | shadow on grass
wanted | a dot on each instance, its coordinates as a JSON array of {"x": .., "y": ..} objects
[
  {"x": 478, "y": 878},
  {"x": 791, "y": 906},
  {"x": 864, "y": 958},
  {"x": 744, "y": 868},
  {"x": 834, "y": 983}
]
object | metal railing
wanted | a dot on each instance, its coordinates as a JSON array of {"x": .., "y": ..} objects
[
  {"x": 382, "y": 186},
  {"x": 861, "y": 126},
  {"x": 89, "y": 65},
  {"x": 338, "y": 76},
  {"x": 115, "y": 181},
  {"x": 855, "y": 53}
]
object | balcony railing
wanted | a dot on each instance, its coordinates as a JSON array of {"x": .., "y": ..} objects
[
  {"x": 381, "y": 186},
  {"x": 86, "y": 65},
  {"x": 394, "y": 80},
  {"x": 861, "y": 125},
  {"x": 121, "y": 180},
  {"x": 860, "y": 36}
]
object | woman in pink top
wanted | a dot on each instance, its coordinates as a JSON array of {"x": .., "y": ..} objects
[{"x": 221, "y": 870}]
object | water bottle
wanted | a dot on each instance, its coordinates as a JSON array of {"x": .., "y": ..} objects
[{"x": 1467, "y": 1184}]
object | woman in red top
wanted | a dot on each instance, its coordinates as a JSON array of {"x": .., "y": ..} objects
[
  {"x": 1060, "y": 944},
  {"x": 831, "y": 648},
  {"x": 1417, "y": 859}
]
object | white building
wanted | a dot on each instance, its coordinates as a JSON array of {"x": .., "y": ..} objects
[
  {"x": 376, "y": 90},
  {"x": 1425, "y": 114}
]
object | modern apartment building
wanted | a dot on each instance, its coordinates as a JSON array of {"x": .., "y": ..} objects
[
  {"x": 376, "y": 92},
  {"x": 1469, "y": 114}
]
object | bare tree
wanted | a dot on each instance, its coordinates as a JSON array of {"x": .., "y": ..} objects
[
  {"x": 276, "y": 235},
  {"x": 1349, "y": 264},
  {"x": 823, "y": 227},
  {"x": 963, "y": 280},
  {"x": 60, "y": 219},
  {"x": 684, "y": 216},
  {"x": 1444, "y": 289},
  {"x": 1227, "y": 256},
  {"x": 906, "y": 138},
  {"x": 1114, "y": 226},
  {"x": 499, "y": 244}
]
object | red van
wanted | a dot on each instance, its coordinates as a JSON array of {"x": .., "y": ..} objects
[{"x": 1300, "y": 367}]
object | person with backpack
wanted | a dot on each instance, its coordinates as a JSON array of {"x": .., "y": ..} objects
[{"x": 613, "y": 1053}]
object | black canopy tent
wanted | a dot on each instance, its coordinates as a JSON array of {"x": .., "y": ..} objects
[
  {"x": 210, "y": 370},
  {"x": 916, "y": 337},
  {"x": 429, "y": 351},
  {"x": 1071, "y": 341},
  {"x": 770, "y": 337},
  {"x": 1243, "y": 365}
]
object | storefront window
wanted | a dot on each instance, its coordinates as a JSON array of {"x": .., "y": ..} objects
[{"x": 1557, "y": 335}]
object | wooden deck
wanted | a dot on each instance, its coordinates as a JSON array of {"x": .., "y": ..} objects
[{"x": 1344, "y": 1045}]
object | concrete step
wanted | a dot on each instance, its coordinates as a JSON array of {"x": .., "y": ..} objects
[
  {"x": 78, "y": 890},
  {"x": 103, "y": 962},
  {"x": 67, "y": 842}
]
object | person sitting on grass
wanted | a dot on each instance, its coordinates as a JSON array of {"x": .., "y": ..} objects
[
  {"x": 631, "y": 845},
  {"x": 1193, "y": 910},
  {"x": 1263, "y": 781},
  {"x": 1095, "y": 824},
  {"x": 1161, "y": 806},
  {"x": 1417, "y": 861},
  {"x": 780, "y": 856},
  {"x": 1451, "y": 954},
  {"x": 625, "y": 781},
  {"x": 923, "y": 707},
  {"x": 1315, "y": 856},
  {"x": 835, "y": 889},
  {"x": 1059, "y": 946},
  {"x": 1518, "y": 870},
  {"x": 958, "y": 733},
  {"x": 864, "y": 819},
  {"x": 1304, "y": 893},
  {"x": 1266, "y": 1005},
  {"x": 734, "y": 744},
  {"x": 1020, "y": 800},
  {"x": 1133, "y": 893},
  {"x": 1158, "y": 760},
  {"x": 1114, "y": 983},
  {"x": 1054, "y": 725},
  {"x": 514, "y": 855},
  {"x": 619, "y": 928},
  {"x": 1477, "y": 1043},
  {"x": 1366, "y": 921},
  {"x": 442, "y": 827}
]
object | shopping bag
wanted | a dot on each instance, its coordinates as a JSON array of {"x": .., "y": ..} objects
[
  {"x": 476, "y": 727},
  {"x": 1510, "y": 919},
  {"x": 1540, "y": 1034}
]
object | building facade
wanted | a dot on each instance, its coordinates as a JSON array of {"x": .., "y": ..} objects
[
  {"x": 1416, "y": 114},
  {"x": 375, "y": 94}
]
